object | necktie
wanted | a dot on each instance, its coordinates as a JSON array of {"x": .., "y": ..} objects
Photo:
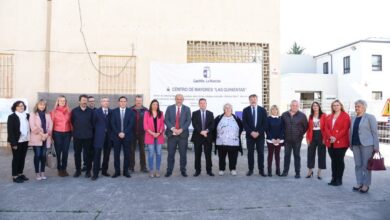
[
  {"x": 254, "y": 116},
  {"x": 177, "y": 125},
  {"x": 122, "y": 116},
  {"x": 203, "y": 121},
  {"x": 105, "y": 112}
]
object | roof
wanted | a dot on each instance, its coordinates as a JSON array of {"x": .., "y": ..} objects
[{"x": 368, "y": 40}]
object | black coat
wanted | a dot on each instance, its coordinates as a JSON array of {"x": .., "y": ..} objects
[
  {"x": 261, "y": 124},
  {"x": 240, "y": 126},
  {"x": 197, "y": 125},
  {"x": 13, "y": 128}
]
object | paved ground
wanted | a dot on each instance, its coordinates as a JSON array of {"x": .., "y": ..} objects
[{"x": 203, "y": 197}]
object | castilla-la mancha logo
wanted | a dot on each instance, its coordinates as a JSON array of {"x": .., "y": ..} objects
[{"x": 206, "y": 72}]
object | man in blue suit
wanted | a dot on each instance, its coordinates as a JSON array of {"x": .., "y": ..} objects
[
  {"x": 122, "y": 125},
  {"x": 254, "y": 119},
  {"x": 177, "y": 120},
  {"x": 102, "y": 140}
]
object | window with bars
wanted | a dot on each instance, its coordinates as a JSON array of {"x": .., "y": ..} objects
[
  {"x": 232, "y": 52},
  {"x": 6, "y": 75},
  {"x": 117, "y": 74}
]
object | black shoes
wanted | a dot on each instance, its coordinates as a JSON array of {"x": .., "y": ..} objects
[
  {"x": 18, "y": 180},
  {"x": 335, "y": 182},
  {"x": 88, "y": 174},
  {"x": 278, "y": 172},
  {"x": 284, "y": 174},
  {"x": 184, "y": 174},
  {"x": 269, "y": 172},
  {"x": 127, "y": 175},
  {"x": 105, "y": 174},
  {"x": 297, "y": 176},
  {"x": 94, "y": 177},
  {"x": 144, "y": 170},
  {"x": 249, "y": 173},
  {"x": 77, "y": 174},
  {"x": 115, "y": 175},
  {"x": 364, "y": 191},
  {"x": 356, "y": 188},
  {"x": 197, "y": 173},
  {"x": 84, "y": 169},
  {"x": 168, "y": 174},
  {"x": 210, "y": 173},
  {"x": 261, "y": 173},
  {"x": 309, "y": 175},
  {"x": 23, "y": 177}
]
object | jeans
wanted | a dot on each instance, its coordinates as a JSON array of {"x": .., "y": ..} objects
[
  {"x": 139, "y": 139},
  {"x": 39, "y": 158},
  {"x": 61, "y": 144},
  {"x": 154, "y": 149}
]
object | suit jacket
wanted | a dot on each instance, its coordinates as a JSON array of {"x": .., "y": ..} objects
[
  {"x": 184, "y": 121},
  {"x": 13, "y": 128},
  {"x": 247, "y": 121},
  {"x": 128, "y": 124},
  {"x": 149, "y": 125},
  {"x": 340, "y": 130},
  {"x": 36, "y": 129},
  {"x": 102, "y": 126},
  {"x": 197, "y": 125},
  {"x": 368, "y": 130}
]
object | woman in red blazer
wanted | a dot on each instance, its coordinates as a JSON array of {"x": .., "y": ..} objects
[
  {"x": 337, "y": 140},
  {"x": 154, "y": 136},
  {"x": 315, "y": 137}
]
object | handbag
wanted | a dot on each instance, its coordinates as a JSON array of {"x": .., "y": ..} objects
[
  {"x": 51, "y": 157},
  {"x": 376, "y": 162}
]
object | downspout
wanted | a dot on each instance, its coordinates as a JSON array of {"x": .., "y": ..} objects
[{"x": 47, "y": 47}]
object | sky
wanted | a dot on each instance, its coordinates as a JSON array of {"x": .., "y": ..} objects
[{"x": 323, "y": 25}]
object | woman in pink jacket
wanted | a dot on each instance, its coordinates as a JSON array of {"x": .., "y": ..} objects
[
  {"x": 40, "y": 138},
  {"x": 154, "y": 136}
]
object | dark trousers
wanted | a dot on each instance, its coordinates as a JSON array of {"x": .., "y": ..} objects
[
  {"x": 272, "y": 149},
  {"x": 118, "y": 145},
  {"x": 86, "y": 146},
  {"x": 316, "y": 142},
  {"x": 139, "y": 139},
  {"x": 232, "y": 152},
  {"x": 39, "y": 158},
  {"x": 296, "y": 148},
  {"x": 98, "y": 155},
  {"x": 259, "y": 143},
  {"x": 18, "y": 158},
  {"x": 173, "y": 143},
  {"x": 61, "y": 144},
  {"x": 207, "y": 147},
  {"x": 337, "y": 162}
]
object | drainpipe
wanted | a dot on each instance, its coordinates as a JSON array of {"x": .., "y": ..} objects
[
  {"x": 331, "y": 62},
  {"x": 47, "y": 47}
]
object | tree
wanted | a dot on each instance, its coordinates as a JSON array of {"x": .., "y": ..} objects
[{"x": 296, "y": 49}]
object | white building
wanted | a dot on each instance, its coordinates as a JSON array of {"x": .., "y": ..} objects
[{"x": 359, "y": 70}]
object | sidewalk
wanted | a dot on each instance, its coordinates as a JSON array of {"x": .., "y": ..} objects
[{"x": 203, "y": 197}]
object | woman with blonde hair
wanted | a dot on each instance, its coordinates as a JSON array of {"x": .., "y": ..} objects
[
  {"x": 62, "y": 128},
  {"x": 41, "y": 127},
  {"x": 275, "y": 139}
]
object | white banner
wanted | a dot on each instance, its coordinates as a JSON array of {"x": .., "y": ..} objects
[
  {"x": 5, "y": 107},
  {"x": 219, "y": 83}
]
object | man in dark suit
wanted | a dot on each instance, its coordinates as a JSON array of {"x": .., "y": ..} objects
[
  {"x": 177, "y": 120},
  {"x": 102, "y": 138},
  {"x": 122, "y": 125},
  {"x": 82, "y": 123},
  {"x": 203, "y": 124},
  {"x": 254, "y": 119}
]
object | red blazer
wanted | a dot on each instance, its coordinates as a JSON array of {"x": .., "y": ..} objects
[
  {"x": 340, "y": 130},
  {"x": 149, "y": 125},
  {"x": 309, "y": 133}
]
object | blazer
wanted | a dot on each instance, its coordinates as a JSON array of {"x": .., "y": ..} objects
[
  {"x": 149, "y": 125},
  {"x": 240, "y": 126},
  {"x": 128, "y": 124},
  {"x": 248, "y": 122},
  {"x": 13, "y": 129},
  {"x": 184, "y": 122},
  {"x": 101, "y": 124},
  {"x": 309, "y": 133},
  {"x": 340, "y": 130},
  {"x": 197, "y": 125},
  {"x": 36, "y": 129},
  {"x": 368, "y": 130}
]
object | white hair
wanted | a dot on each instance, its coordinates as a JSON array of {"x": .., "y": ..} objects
[{"x": 361, "y": 102}]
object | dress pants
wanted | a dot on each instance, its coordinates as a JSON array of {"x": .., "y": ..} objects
[
  {"x": 18, "y": 158},
  {"x": 296, "y": 148},
  {"x": 207, "y": 147},
  {"x": 182, "y": 144},
  {"x": 86, "y": 146},
  {"x": 272, "y": 149},
  {"x": 361, "y": 155},
  {"x": 337, "y": 162},
  {"x": 315, "y": 144},
  {"x": 106, "y": 148},
  {"x": 118, "y": 146},
  {"x": 257, "y": 143},
  {"x": 232, "y": 152}
]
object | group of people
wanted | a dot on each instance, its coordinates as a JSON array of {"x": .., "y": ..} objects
[{"x": 97, "y": 130}]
